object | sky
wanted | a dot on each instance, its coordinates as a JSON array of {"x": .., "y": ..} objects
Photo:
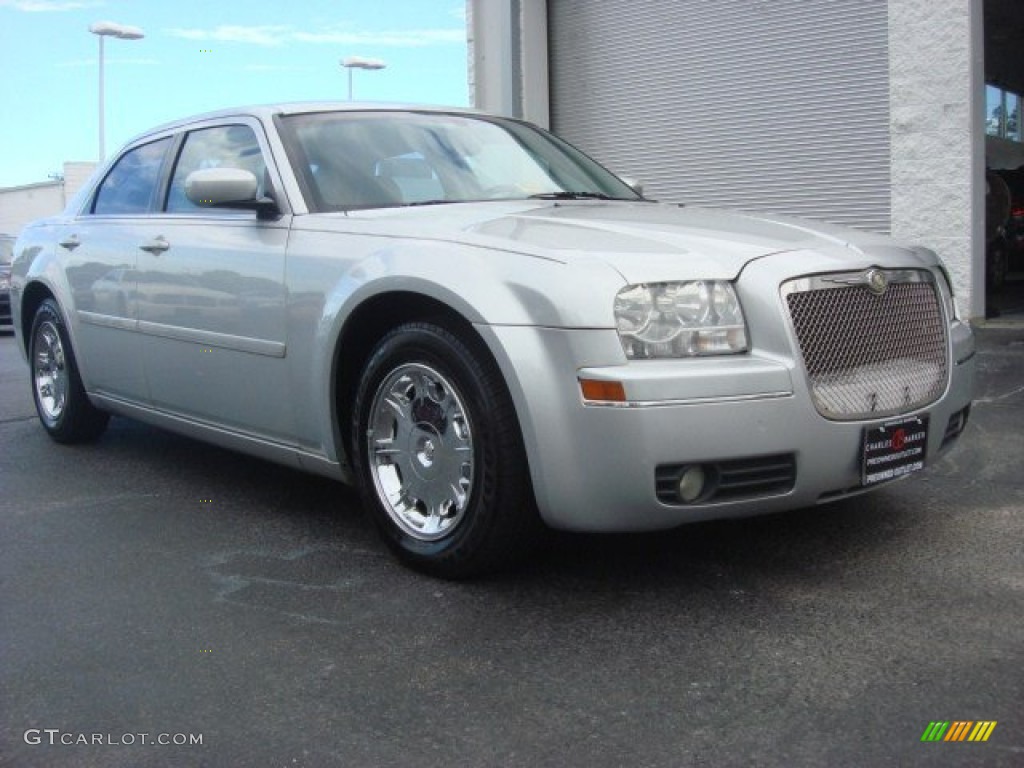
[{"x": 200, "y": 55}]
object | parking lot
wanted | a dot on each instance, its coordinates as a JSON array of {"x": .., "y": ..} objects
[{"x": 156, "y": 586}]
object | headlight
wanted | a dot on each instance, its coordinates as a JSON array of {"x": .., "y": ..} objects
[
  {"x": 5, "y": 282},
  {"x": 700, "y": 317}
]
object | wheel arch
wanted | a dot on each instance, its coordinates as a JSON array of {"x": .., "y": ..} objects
[
  {"x": 363, "y": 329},
  {"x": 34, "y": 294}
]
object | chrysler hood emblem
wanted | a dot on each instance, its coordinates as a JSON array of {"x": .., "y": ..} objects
[
  {"x": 877, "y": 282},
  {"x": 875, "y": 279}
]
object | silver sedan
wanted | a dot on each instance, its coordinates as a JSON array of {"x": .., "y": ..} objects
[{"x": 482, "y": 329}]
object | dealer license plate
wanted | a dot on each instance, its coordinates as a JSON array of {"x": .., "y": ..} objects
[{"x": 894, "y": 449}]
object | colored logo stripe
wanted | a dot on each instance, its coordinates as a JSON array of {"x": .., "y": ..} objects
[
  {"x": 958, "y": 730},
  {"x": 982, "y": 730}
]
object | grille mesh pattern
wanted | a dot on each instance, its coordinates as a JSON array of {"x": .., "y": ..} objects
[{"x": 868, "y": 355}]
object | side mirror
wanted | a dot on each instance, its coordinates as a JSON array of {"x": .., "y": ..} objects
[{"x": 227, "y": 188}]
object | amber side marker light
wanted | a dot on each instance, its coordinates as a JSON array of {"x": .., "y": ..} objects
[{"x": 603, "y": 391}]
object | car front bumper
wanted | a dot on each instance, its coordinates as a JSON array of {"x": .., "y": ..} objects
[{"x": 595, "y": 467}]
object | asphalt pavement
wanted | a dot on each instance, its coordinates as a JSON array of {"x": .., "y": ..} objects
[{"x": 155, "y": 589}]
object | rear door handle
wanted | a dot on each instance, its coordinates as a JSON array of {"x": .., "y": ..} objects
[
  {"x": 71, "y": 242},
  {"x": 156, "y": 246}
]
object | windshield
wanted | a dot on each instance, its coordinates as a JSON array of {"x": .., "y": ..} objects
[{"x": 351, "y": 160}]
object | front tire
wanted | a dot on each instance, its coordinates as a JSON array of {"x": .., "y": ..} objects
[
  {"x": 439, "y": 456},
  {"x": 61, "y": 403}
]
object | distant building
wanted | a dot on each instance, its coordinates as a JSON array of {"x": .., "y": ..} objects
[{"x": 22, "y": 204}]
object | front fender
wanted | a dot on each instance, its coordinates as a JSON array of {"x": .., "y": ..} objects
[{"x": 484, "y": 286}]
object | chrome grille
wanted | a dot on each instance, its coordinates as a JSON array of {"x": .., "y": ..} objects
[{"x": 869, "y": 354}]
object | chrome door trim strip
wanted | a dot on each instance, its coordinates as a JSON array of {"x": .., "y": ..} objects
[{"x": 213, "y": 339}]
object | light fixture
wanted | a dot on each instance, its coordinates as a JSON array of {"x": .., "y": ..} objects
[{"x": 104, "y": 29}]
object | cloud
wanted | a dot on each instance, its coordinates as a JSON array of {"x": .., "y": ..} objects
[
  {"x": 268, "y": 35},
  {"x": 274, "y": 68},
  {"x": 48, "y": 6},
  {"x": 261, "y": 35},
  {"x": 411, "y": 38},
  {"x": 107, "y": 60}
]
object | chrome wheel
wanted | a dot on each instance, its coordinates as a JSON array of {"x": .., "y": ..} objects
[
  {"x": 49, "y": 371},
  {"x": 420, "y": 449},
  {"x": 61, "y": 400},
  {"x": 438, "y": 455}
]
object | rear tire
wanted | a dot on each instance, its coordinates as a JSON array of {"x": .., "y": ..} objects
[
  {"x": 438, "y": 454},
  {"x": 61, "y": 403}
]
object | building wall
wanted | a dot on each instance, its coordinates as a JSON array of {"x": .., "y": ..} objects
[
  {"x": 508, "y": 58},
  {"x": 936, "y": 90},
  {"x": 76, "y": 174},
  {"x": 781, "y": 107},
  {"x": 20, "y": 205}
]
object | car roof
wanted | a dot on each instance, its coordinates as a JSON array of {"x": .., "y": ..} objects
[{"x": 266, "y": 111}]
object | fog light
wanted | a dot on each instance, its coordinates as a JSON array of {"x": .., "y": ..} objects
[{"x": 691, "y": 484}]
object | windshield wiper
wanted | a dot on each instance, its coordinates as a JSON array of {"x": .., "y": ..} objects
[
  {"x": 566, "y": 195},
  {"x": 430, "y": 202}
]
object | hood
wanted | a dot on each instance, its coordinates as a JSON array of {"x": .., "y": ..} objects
[{"x": 644, "y": 242}]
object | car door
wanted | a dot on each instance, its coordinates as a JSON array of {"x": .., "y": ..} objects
[
  {"x": 98, "y": 247},
  {"x": 211, "y": 294}
]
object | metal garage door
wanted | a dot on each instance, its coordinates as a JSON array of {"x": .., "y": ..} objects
[{"x": 772, "y": 105}]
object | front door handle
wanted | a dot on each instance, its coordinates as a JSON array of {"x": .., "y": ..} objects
[
  {"x": 156, "y": 246},
  {"x": 71, "y": 242}
]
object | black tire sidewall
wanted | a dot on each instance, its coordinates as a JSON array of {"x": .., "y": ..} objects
[
  {"x": 80, "y": 421},
  {"x": 497, "y": 457}
]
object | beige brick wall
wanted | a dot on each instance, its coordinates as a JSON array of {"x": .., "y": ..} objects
[
  {"x": 20, "y": 205},
  {"x": 936, "y": 84},
  {"x": 75, "y": 176}
]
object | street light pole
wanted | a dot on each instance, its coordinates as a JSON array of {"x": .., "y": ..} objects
[
  {"x": 109, "y": 29},
  {"x": 358, "y": 62},
  {"x": 101, "y": 108}
]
